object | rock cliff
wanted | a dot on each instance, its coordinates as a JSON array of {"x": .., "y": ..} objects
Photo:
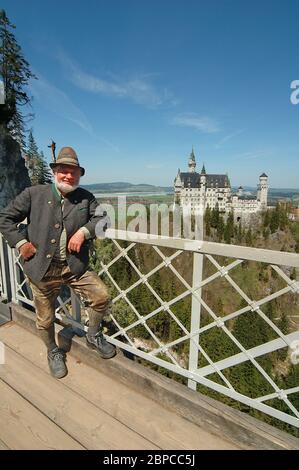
[{"x": 13, "y": 173}]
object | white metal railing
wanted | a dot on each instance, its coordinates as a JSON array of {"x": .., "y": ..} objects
[
  {"x": 162, "y": 353},
  {"x": 3, "y": 281}
]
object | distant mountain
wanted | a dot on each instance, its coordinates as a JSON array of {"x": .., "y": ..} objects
[
  {"x": 273, "y": 192},
  {"x": 126, "y": 187}
]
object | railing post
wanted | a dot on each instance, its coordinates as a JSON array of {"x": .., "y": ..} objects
[
  {"x": 3, "y": 270},
  {"x": 196, "y": 305},
  {"x": 12, "y": 274}
]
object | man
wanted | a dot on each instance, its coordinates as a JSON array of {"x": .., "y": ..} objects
[{"x": 61, "y": 222}]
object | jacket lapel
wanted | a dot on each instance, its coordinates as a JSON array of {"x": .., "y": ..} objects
[{"x": 70, "y": 202}]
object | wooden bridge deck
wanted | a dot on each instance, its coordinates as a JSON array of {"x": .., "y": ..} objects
[{"x": 85, "y": 410}]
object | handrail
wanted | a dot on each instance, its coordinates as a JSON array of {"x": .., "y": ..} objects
[{"x": 162, "y": 353}]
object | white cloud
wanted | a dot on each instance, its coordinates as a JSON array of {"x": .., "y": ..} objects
[
  {"x": 55, "y": 100},
  {"x": 229, "y": 137},
  {"x": 58, "y": 102},
  {"x": 253, "y": 155},
  {"x": 202, "y": 124},
  {"x": 137, "y": 89}
]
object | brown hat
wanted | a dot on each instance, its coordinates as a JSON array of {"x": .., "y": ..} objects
[{"x": 67, "y": 156}]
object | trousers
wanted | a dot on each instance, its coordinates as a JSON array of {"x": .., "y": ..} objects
[{"x": 88, "y": 287}]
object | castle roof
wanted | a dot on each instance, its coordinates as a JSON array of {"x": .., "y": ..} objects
[
  {"x": 212, "y": 181},
  {"x": 247, "y": 198}
]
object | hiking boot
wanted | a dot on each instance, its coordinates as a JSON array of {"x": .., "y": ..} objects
[
  {"x": 98, "y": 342},
  {"x": 56, "y": 361}
]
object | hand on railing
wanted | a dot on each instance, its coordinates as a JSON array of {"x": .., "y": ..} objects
[
  {"x": 27, "y": 250},
  {"x": 76, "y": 242}
]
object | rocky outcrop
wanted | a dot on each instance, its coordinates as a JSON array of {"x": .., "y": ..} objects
[{"x": 13, "y": 173}]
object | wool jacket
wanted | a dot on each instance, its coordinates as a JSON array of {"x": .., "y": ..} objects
[{"x": 42, "y": 207}]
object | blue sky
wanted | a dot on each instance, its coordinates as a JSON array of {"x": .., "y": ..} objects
[{"x": 132, "y": 85}]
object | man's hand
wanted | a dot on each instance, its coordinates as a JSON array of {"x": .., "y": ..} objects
[
  {"x": 27, "y": 250},
  {"x": 76, "y": 241}
]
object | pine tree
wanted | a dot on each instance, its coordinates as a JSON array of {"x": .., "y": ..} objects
[
  {"x": 239, "y": 234},
  {"x": 215, "y": 216},
  {"x": 283, "y": 219},
  {"x": 248, "y": 238},
  {"x": 207, "y": 219},
  {"x": 220, "y": 228},
  {"x": 229, "y": 228},
  {"x": 39, "y": 172},
  {"x": 267, "y": 218},
  {"x": 15, "y": 74},
  {"x": 293, "y": 274},
  {"x": 44, "y": 173},
  {"x": 32, "y": 155},
  {"x": 274, "y": 222}
]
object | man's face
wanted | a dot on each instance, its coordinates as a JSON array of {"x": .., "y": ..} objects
[{"x": 67, "y": 178}]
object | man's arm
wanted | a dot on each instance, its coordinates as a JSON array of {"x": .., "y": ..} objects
[
  {"x": 93, "y": 220},
  {"x": 16, "y": 211},
  {"x": 88, "y": 231}
]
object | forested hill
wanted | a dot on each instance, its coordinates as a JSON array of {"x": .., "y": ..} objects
[{"x": 120, "y": 186}]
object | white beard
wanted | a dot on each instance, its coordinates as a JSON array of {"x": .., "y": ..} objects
[{"x": 65, "y": 188}]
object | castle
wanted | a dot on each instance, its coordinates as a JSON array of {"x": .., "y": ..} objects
[{"x": 197, "y": 191}]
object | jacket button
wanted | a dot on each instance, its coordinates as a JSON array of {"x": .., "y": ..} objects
[
  {"x": 57, "y": 225},
  {"x": 53, "y": 240},
  {"x": 48, "y": 256}
]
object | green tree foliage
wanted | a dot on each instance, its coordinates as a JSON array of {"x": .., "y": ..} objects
[
  {"x": 249, "y": 238},
  {"x": 220, "y": 228},
  {"x": 239, "y": 233},
  {"x": 39, "y": 172},
  {"x": 266, "y": 234},
  {"x": 44, "y": 172},
  {"x": 229, "y": 228},
  {"x": 293, "y": 275},
  {"x": 207, "y": 219},
  {"x": 15, "y": 74},
  {"x": 266, "y": 218},
  {"x": 274, "y": 221},
  {"x": 215, "y": 216}
]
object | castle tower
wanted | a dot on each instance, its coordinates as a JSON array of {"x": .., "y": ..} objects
[
  {"x": 178, "y": 184},
  {"x": 192, "y": 162},
  {"x": 262, "y": 191},
  {"x": 203, "y": 189}
]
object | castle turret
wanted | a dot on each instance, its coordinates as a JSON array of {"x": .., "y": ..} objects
[
  {"x": 178, "y": 184},
  {"x": 262, "y": 191},
  {"x": 192, "y": 162}
]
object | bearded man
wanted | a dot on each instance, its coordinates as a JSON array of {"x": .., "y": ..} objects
[{"x": 61, "y": 220}]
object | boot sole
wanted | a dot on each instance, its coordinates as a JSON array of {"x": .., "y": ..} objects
[{"x": 103, "y": 356}]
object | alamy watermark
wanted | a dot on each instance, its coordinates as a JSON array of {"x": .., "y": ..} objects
[
  {"x": 2, "y": 94},
  {"x": 150, "y": 221},
  {"x": 294, "y": 352},
  {"x": 295, "y": 94}
]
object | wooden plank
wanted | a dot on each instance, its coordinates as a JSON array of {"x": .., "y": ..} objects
[
  {"x": 79, "y": 418},
  {"x": 3, "y": 446},
  {"x": 161, "y": 426},
  {"x": 27, "y": 428}
]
